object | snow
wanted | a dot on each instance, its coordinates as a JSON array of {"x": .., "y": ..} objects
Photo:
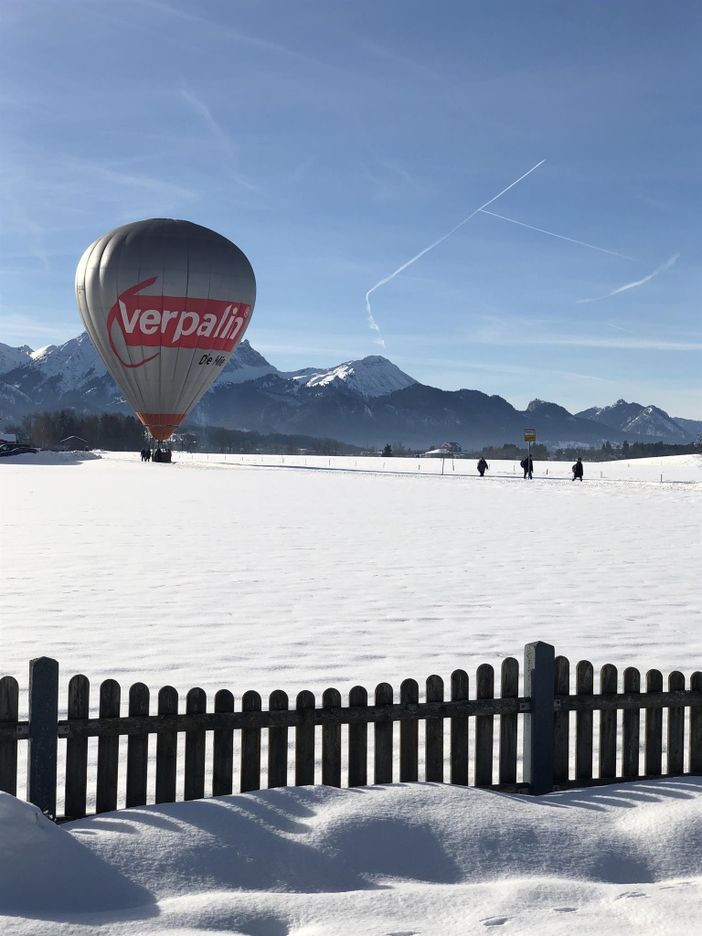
[
  {"x": 72, "y": 361},
  {"x": 13, "y": 357},
  {"x": 244, "y": 365},
  {"x": 313, "y": 572},
  {"x": 45, "y": 872},
  {"x": 642, "y": 421},
  {"x": 299, "y": 572},
  {"x": 44, "y": 458},
  {"x": 410, "y": 859},
  {"x": 42, "y": 352},
  {"x": 307, "y": 578},
  {"x": 649, "y": 422},
  {"x": 373, "y": 376}
]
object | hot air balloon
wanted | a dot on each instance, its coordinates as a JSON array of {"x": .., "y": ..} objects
[{"x": 166, "y": 303}]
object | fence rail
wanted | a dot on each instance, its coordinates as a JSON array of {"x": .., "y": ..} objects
[{"x": 555, "y": 752}]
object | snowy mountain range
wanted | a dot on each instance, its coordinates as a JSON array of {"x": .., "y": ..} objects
[
  {"x": 643, "y": 422},
  {"x": 366, "y": 402}
]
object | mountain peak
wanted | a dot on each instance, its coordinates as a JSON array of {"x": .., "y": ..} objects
[
  {"x": 72, "y": 360},
  {"x": 245, "y": 364},
  {"x": 42, "y": 352},
  {"x": 548, "y": 411},
  {"x": 374, "y": 359},
  {"x": 637, "y": 421},
  {"x": 13, "y": 357},
  {"x": 369, "y": 377},
  {"x": 536, "y": 405}
]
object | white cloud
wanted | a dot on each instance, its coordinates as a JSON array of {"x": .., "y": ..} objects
[
  {"x": 646, "y": 279},
  {"x": 508, "y": 333},
  {"x": 632, "y": 344},
  {"x": 563, "y": 237},
  {"x": 219, "y": 134}
]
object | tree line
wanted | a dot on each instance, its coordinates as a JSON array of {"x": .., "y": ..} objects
[
  {"x": 112, "y": 431},
  {"x": 117, "y": 432},
  {"x": 242, "y": 442},
  {"x": 540, "y": 452},
  {"x": 609, "y": 452}
]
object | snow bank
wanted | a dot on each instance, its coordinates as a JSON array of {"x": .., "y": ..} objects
[
  {"x": 44, "y": 458},
  {"x": 412, "y": 859},
  {"x": 46, "y": 873}
]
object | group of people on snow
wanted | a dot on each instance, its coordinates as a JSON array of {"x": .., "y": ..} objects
[
  {"x": 527, "y": 465},
  {"x": 159, "y": 455}
]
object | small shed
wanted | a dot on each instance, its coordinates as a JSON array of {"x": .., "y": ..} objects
[
  {"x": 7, "y": 436},
  {"x": 74, "y": 444}
]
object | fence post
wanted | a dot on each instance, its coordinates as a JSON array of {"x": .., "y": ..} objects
[
  {"x": 539, "y": 677},
  {"x": 43, "y": 738}
]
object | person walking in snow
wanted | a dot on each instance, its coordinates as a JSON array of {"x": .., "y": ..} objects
[
  {"x": 528, "y": 465},
  {"x": 578, "y": 470},
  {"x": 483, "y": 467}
]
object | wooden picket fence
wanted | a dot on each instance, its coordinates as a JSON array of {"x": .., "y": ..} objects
[{"x": 556, "y": 753}]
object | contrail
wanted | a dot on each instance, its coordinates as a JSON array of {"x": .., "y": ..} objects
[
  {"x": 620, "y": 289},
  {"x": 572, "y": 240},
  {"x": 371, "y": 320}
]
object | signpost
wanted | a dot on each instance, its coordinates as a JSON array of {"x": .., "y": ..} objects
[{"x": 529, "y": 437}]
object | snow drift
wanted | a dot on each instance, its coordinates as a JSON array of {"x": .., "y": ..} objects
[{"x": 376, "y": 860}]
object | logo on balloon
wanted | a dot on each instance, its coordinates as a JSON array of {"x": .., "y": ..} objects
[{"x": 174, "y": 322}]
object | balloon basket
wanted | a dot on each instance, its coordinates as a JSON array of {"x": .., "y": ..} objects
[
  {"x": 160, "y": 451},
  {"x": 164, "y": 456}
]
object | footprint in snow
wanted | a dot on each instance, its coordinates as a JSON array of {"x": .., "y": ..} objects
[
  {"x": 565, "y": 909},
  {"x": 631, "y": 894},
  {"x": 495, "y": 921}
]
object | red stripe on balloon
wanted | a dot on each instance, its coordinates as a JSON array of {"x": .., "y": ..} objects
[{"x": 161, "y": 425}]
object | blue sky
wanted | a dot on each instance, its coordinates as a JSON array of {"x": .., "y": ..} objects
[{"x": 334, "y": 141}]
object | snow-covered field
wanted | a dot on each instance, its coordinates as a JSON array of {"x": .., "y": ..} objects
[
  {"x": 218, "y": 572},
  {"x": 679, "y": 468}
]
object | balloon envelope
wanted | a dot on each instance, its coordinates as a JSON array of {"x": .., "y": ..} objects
[{"x": 166, "y": 303}]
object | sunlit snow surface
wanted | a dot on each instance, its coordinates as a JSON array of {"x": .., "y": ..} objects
[
  {"x": 301, "y": 572},
  {"x": 218, "y": 573},
  {"x": 410, "y": 860}
]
